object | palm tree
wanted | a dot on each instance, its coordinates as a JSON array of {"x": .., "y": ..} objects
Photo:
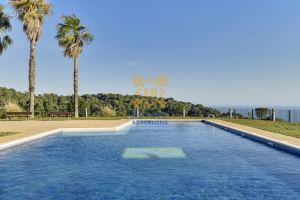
[
  {"x": 31, "y": 13},
  {"x": 5, "y": 27},
  {"x": 71, "y": 36}
]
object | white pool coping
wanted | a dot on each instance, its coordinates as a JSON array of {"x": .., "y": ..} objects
[
  {"x": 28, "y": 139},
  {"x": 278, "y": 144}
]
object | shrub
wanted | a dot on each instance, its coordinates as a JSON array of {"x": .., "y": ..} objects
[
  {"x": 44, "y": 114},
  {"x": 279, "y": 119},
  {"x": 218, "y": 113},
  {"x": 37, "y": 114},
  {"x": 107, "y": 112},
  {"x": 96, "y": 114},
  {"x": 2, "y": 114},
  {"x": 41, "y": 114},
  {"x": 11, "y": 107},
  {"x": 261, "y": 113},
  {"x": 238, "y": 116},
  {"x": 206, "y": 111}
]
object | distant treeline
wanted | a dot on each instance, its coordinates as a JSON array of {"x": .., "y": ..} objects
[{"x": 121, "y": 104}]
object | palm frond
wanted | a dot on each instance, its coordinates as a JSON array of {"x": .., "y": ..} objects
[
  {"x": 32, "y": 13},
  {"x": 5, "y": 25},
  {"x": 72, "y": 36},
  {"x": 87, "y": 37},
  {"x": 5, "y": 43}
]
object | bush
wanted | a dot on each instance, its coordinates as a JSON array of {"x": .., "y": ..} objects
[
  {"x": 225, "y": 115},
  {"x": 261, "y": 113},
  {"x": 37, "y": 114},
  {"x": 279, "y": 120},
  {"x": 237, "y": 116},
  {"x": 107, "y": 112},
  {"x": 11, "y": 107},
  {"x": 41, "y": 114},
  {"x": 206, "y": 111},
  {"x": 2, "y": 114},
  {"x": 217, "y": 113}
]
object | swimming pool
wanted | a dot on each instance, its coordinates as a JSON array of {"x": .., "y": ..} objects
[{"x": 179, "y": 161}]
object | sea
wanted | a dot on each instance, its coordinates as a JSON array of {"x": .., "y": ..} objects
[{"x": 253, "y": 107}]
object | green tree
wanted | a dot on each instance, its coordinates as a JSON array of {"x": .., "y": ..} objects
[
  {"x": 179, "y": 108},
  {"x": 261, "y": 113},
  {"x": 81, "y": 107},
  {"x": 5, "y": 27},
  {"x": 206, "y": 111},
  {"x": 71, "y": 36},
  {"x": 39, "y": 106},
  {"x": 31, "y": 13},
  {"x": 49, "y": 106}
]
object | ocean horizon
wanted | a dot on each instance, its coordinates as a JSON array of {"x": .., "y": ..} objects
[{"x": 253, "y": 107}]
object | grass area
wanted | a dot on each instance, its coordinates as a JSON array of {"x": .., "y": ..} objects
[
  {"x": 285, "y": 128},
  {"x": 7, "y": 133}
]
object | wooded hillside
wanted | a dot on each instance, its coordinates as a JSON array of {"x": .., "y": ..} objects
[{"x": 122, "y": 104}]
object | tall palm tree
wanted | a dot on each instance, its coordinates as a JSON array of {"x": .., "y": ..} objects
[
  {"x": 31, "y": 13},
  {"x": 5, "y": 27},
  {"x": 71, "y": 36}
]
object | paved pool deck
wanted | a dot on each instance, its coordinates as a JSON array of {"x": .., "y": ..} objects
[{"x": 28, "y": 128}]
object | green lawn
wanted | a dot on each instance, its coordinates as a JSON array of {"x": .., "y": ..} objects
[
  {"x": 285, "y": 128},
  {"x": 7, "y": 133}
]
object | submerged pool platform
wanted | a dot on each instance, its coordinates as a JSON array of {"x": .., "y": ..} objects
[
  {"x": 183, "y": 160},
  {"x": 156, "y": 152}
]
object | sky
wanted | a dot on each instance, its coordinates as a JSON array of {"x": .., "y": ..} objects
[{"x": 215, "y": 53}]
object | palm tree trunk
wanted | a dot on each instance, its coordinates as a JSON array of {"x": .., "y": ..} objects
[
  {"x": 76, "y": 86},
  {"x": 32, "y": 76}
]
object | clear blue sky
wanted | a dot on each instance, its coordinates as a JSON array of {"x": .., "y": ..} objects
[{"x": 217, "y": 53}]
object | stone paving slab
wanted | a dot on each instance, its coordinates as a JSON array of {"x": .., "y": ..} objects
[
  {"x": 276, "y": 136},
  {"x": 28, "y": 128}
]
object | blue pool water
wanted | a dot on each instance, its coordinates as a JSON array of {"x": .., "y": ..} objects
[{"x": 177, "y": 161}]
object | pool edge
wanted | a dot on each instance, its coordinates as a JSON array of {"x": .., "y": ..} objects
[
  {"x": 277, "y": 144},
  {"x": 38, "y": 136}
]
